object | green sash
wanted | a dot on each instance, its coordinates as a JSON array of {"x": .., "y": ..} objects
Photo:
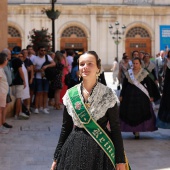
[
  {"x": 150, "y": 75},
  {"x": 91, "y": 126}
]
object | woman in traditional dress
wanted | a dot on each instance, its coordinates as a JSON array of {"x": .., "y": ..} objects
[
  {"x": 150, "y": 68},
  {"x": 87, "y": 103},
  {"x": 136, "y": 112},
  {"x": 163, "y": 120},
  {"x": 123, "y": 67}
]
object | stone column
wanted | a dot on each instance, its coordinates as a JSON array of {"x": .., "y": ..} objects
[{"x": 3, "y": 25}]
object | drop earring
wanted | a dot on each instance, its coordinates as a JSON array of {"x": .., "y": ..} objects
[
  {"x": 79, "y": 77},
  {"x": 97, "y": 75}
]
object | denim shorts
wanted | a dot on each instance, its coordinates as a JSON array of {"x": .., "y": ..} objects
[{"x": 42, "y": 85}]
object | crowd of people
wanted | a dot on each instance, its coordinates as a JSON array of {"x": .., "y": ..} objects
[
  {"x": 36, "y": 80},
  {"x": 92, "y": 118},
  {"x": 145, "y": 81}
]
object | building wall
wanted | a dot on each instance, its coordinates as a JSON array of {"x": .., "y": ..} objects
[
  {"x": 94, "y": 17},
  {"x": 3, "y": 21}
]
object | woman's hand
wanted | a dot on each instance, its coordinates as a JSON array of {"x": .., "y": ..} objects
[
  {"x": 156, "y": 82},
  {"x": 31, "y": 80},
  {"x": 120, "y": 98},
  {"x": 151, "y": 99},
  {"x": 53, "y": 166},
  {"x": 120, "y": 166}
]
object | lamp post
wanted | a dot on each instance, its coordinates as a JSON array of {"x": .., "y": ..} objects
[
  {"x": 53, "y": 26},
  {"x": 116, "y": 35},
  {"x": 53, "y": 15}
]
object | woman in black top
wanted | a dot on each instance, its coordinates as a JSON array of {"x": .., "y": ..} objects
[{"x": 76, "y": 149}]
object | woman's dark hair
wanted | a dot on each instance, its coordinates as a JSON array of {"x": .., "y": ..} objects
[
  {"x": 3, "y": 57},
  {"x": 137, "y": 58},
  {"x": 135, "y": 51},
  {"x": 168, "y": 55},
  {"x": 116, "y": 59},
  {"x": 98, "y": 61},
  {"x": 29, "y": 46},
  {"x": 75, "y": 61},
  {"x": 58, "y": 57},
  {"x": 124, "y": 57},
  {"x": 70, "y": 52},
  {"x": 63, "y": 51}
]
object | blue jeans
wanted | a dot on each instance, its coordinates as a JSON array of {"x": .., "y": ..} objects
[{"x": 42, "y": 85}]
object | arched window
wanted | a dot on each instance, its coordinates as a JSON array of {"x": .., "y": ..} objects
[
  {"x": 73, "y": 30},
  {"x": 137, "y": 31},
  {"x": 13, "y": 32}
]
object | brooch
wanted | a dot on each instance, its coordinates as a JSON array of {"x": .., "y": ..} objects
[
  {"x": 77, "y": 105},
  {"x": 87, "y": 105}
]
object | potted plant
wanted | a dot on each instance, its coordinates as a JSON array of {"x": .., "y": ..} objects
[{"x": 52, "y": 14}]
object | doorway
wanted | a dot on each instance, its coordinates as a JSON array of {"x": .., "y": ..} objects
[
  {"x": 74, "y": 38},
  {"x": 137, "y": 39}
]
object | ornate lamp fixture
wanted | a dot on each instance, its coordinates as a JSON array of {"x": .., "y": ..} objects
[
  {"x": 53, "y": 15},
  {"x": 116, "y": 35}
]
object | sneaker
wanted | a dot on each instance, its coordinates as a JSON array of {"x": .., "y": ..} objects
[
  {"x": 23, "y": 116},
  {"x": 4, "y": 130},
  {"x": 36, "y": 111},
  {"x": 6, "y": 125},
  {"x": 16, "y": 117},
  {"x": 45, "y": 111},
  {"x": 30, "y": 112},
  {"x": 41, "y": 109}
]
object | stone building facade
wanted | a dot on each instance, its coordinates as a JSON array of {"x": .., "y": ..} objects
[
  {"x": 83, "y": 25},
  {"x": 4, "y": 27}
]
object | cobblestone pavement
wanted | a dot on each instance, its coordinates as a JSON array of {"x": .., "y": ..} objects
[{"x": 30, "y": 144}]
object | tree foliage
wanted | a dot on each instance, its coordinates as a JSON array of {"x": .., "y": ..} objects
[{"x": 40, "y": 38}]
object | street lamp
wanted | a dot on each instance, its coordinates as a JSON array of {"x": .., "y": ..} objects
[
  {"x": 53, "y": 15},
  {"x": 53, "y": 26},
  {"x": 116, "y": 34}
]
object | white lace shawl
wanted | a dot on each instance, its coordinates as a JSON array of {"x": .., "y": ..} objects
[
  {"x": 150, "y": 67},
  {"x": 139, "y": 77},
  {"x": 101, "y": 99}
]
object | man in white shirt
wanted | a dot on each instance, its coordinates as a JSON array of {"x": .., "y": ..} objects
[
  {"x": 30, "y": 50},
  {"x": 160, "y": 72},
  {"x": 41, "y": 83}
]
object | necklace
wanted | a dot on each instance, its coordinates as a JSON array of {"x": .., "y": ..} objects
[
  {"x": 83, "y": 89},
  {"x": 88, "y": 93}
]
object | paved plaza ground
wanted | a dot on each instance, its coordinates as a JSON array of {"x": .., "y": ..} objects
[{"x": 30, "y": 144}]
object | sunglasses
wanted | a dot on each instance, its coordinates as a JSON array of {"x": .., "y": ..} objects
[{"x": 42, "y": 50}]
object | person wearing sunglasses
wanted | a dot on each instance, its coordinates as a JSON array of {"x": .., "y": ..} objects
[{"x": 41, "y": 82}]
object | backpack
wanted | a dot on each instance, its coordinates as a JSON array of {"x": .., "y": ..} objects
[
  {"x": 68, "y": 79},
  {"x": 13, "y": 73},
  {"x": 50, "y": 72}
]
